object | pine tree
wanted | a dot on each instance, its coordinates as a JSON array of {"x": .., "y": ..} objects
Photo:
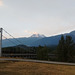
[
  {"x": 42, "y": 53},
  {"x": 65, "y": 49},
  {"x": 61, "y": 49},
  {"x": 69, "y": 48}
]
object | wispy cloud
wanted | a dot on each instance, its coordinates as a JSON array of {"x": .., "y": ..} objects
[
  {"x": 30, "y": 32},
  {"x": 1, "y": 3}
]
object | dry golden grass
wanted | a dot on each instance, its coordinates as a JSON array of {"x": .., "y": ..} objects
[{"x": 30, "y": 68}]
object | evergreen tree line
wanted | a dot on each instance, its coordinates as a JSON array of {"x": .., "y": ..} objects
[{"x": 66, "y": 49}]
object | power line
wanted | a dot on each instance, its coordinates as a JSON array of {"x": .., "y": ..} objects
[
  {"x": 9, "y": 40},
  {"x": 13, "y": 37}
]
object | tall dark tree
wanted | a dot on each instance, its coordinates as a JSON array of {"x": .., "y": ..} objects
[
  {"x": 69, "y": 48},
  {"x": 61, "y": 49},
  {"x": 42, "y": 53},
  {"x": 65, "y": 49}
]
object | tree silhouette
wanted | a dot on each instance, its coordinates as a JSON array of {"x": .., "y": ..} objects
[
  {"x": 65, "y": 49},
  {"x": 42, "y": 53}
]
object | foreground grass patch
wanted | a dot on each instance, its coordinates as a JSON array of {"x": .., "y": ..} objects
[{"x": 30, "y": 68}]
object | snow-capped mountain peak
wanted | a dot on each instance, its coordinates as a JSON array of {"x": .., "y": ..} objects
[{"x": 38, "y": 35}]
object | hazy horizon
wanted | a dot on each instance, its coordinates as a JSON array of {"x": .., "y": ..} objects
[{"x": 22, "y": 18}]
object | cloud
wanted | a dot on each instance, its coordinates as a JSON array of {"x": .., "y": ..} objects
[
  {"x": 29, "y": 32},
  {"x": 1, "y": 3}
]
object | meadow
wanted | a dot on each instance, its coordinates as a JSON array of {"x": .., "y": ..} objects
[{"x": 31, "y": 68}]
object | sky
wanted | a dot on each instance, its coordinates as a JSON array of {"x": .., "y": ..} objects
[{"x": 22, "y": 18}]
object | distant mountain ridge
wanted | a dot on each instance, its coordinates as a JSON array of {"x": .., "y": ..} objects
[
  {"x": 37, "y": 39},
  {"x": 53, "y": 40},
  {"x": 25, "y": 40}
]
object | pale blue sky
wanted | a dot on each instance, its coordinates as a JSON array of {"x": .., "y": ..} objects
[{"x": 22, "y": 18}]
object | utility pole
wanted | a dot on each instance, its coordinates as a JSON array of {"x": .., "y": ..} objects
[{"x": 1, "y": 42}]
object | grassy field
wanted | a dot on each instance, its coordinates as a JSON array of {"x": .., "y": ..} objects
[{"x": 30, "y": 68}]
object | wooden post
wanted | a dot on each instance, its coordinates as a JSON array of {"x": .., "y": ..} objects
[{"x": 0, "y": 42}]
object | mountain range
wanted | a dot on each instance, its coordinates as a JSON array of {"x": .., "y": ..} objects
[{"x": 36, "y": 40}]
